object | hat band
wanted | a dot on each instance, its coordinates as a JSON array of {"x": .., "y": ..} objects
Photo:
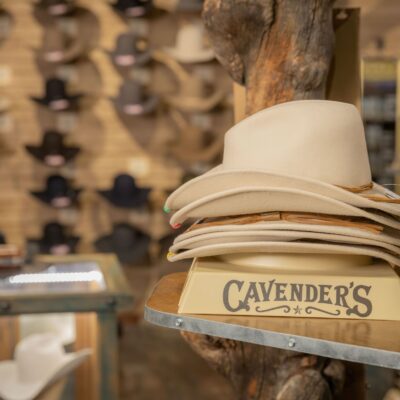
[
  {"x": 357, "y": 189},
  {"x": 301, "y": 218},
  {"x": 373, "y": 197}
]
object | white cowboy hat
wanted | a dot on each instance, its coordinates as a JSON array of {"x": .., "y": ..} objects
[
  {"x": 298, "y": 247},
  {"x": 40, "y": 360},
  {"x": 252, "y": 200},
  {"x": 315, "y": 146},
  {"x": 189, "y": 46}
]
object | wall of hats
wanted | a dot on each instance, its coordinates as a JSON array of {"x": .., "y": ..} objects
[{"x": 104, "y": 109}]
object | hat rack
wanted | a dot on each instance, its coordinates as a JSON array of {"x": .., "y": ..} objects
[{"x": 109, "y": 146}]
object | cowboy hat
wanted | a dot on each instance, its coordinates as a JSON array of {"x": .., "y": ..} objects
[
  {"x": 56, "y": 8},
  {"x": 125, "y": 193},
  {"x": 257, "y": 199},
  {"x": 39, "y": 360},
  {"x": 189, "y": 46},
  {"x": 129, "y": 244},
  {"x": 130, "y": 50},
  {"x": 302, "y": 247},
  {"x": 281, "y": 147},
  {"x": 57, "y": 192},
  {"x": 132, "y": 99},
  {"x": 56, "y": 97},
  {"x": 133, "y": 8},
  {"x": 52, "y": 151},
  {"x": 195, "y": 95},
  {"x": 55, "y": 240}
]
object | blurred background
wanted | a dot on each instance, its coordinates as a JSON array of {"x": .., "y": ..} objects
[{"x": 106, "y": 108}]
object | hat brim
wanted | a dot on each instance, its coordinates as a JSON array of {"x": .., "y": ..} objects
[
  {"x": 189, "y": 57},
  {"x": 147, "y": 107},
  {"x": 195, "y": 104},
  {"x": 44, "y": 197},
  {"x": 222, "y": 179},
  {"x": 388, "y": 236},
  {"x": 277, "y": 236},
  {"x": 253, "y": 200},
  {"x": 39, "y": 153},
  {"x": 73, "y": 100},
  {"x": 12, "y": 388},
  {"x": 137, "y": 253},
  {"x": 287, "y": 248},
  {"x": 138, "y": 200},
  {"x": 71, "y": 242}
]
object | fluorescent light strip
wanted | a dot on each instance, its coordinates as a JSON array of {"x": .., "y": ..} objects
[{"x": 57, "y": 277}]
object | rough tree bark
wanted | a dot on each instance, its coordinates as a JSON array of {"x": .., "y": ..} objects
[{"x": 280, "y": 50}]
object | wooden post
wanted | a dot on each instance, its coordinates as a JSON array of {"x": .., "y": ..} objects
[{"x": 280, "y": 50}]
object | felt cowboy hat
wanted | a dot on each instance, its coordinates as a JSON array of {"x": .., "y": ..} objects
[
  {"x": 56, "y": 240},
  {"x": 195, "y": 95},
  {"x": 125, "y": 193},
  {"x": 133, "y": 8},
  {"x": 130, "y": 50},
  {"x": 56, "y": 97},
  {"x": 52, "y": 151},
  {"x": 288, "y": 247},
  {"x": 128, "y": 243},
  {"x": 132, "y": 99},
  {"x": 56, "y": 8},
  {"x": 58, "y": 193},
  {"x": 190, "y": 45},
  {"x": 314, "y": 146},
  {"x": 39, "y": 361}
]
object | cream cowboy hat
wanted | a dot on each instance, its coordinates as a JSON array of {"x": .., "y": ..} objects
[
  {"x": 315, "y": 146},
  {"x": 40, "y": 360},
  {"x": 252, "y": 200},
  {"x": 190, "y": 46},
  {"x": 287, "y": 247}
]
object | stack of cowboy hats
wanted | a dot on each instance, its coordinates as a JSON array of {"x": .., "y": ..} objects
[{"x": 295, "y": 178}]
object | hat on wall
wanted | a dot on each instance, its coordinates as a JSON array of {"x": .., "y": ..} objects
[
  {"x": 133, "y": 8},
  {"x": 39, "y": 361},
  {"x": 128, "y": 243},
  {"x": 6, "y": 22},
  {"x": 52, "y": 151},
  {"x": 56, "y": 8},
  {"x": 125, "y": 193},
  {"x": 279, "y": 148},
  {"x": 130, "y": 50},
  {"x": 57, "y": 193},
  {"x": 55, "y": 240},
  {"x": 133, "y": 100},
  {"x": 56, "y": 97},
  {"x": 2, "y": 238},
  {"x": 195, "y": 95},
  {"x": 190, "y": 45}
]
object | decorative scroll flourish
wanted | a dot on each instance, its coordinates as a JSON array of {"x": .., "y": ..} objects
[
  {"x": 285, "y": 309},
  {"x": 309, "y": 310}
]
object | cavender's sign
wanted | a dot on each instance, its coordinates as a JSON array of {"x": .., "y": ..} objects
[{"x": 214, "y": 287}]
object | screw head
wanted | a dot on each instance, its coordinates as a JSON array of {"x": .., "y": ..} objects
[
  {"x": 292, "y": 343},
  {"x": 178, "y": 322}
]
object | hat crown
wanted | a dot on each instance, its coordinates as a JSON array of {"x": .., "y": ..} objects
[
  {"x": 316, "y": 139},
  {"x": 126, "y": 43},
  {"x": 38, "y": 356},
  {"x": 53, "y": 233},
  {"x": 52, "y": 142},
  {"x": 124, "y": 185},
  {"x": 57, "y": 185},
  {"x": 190, "y": 38},
  {"x": 55, "y": 89},
  {"x": 123, "y": 236},
  {"x": 131, "y": 92}
]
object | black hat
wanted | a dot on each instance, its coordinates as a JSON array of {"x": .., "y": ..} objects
[
  {"x": 56, "y": 8},
  {"x": 56, "y": 97},
  {"x": 130, "y": 50},
  {"x": 52, "y": 151},
  {"x": 2, "y": 238},
  {"x": 125, "y": 193},
  {"x": 55, "y": 240},
  {"x": 132, "y": 99},
  {"x": 127, "y": 242},
  {"x": 58, "y": 192},
  {"x": 133, "y": 8}
]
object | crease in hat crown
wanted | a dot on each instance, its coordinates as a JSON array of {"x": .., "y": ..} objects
[{"x": 317, "y": 139}]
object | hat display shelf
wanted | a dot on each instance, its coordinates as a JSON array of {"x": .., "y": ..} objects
[{"x": 276, "y": 54}]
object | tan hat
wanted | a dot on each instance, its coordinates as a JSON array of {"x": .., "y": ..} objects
[
  {"x": 301, "y": 247},
  {"x": 315, "y": 146},
  {"x": 251, "y": 200}
]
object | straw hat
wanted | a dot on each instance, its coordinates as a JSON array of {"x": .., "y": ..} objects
[
  {"x": 190, "y": 46},
  {"x": 309, "y": 150},
  {"x": 39, "y": 360}
]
